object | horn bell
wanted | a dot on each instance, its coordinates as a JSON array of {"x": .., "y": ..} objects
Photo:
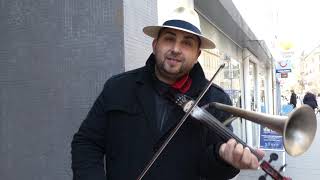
[{"x": 300, "y": 130}]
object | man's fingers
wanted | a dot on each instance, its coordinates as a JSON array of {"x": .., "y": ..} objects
[
  {"x": 246, "y": 158},
  {"x": 249, "y": 160},
  {"x": 231, "y": 144},
  {"x": 254, "y": 162},
  {"x": 235, "y": 154},
  {"x": 260, "y": 152},
  {"x": 226, "y": 150},
  {"x": 238, "y": 151},
  {"x": 222, "y": 149}
]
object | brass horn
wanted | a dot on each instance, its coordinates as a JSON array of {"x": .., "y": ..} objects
[{"x": 298, "y": 129}]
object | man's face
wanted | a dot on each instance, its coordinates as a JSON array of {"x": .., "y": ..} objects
[{"x": 176, "y": 52}]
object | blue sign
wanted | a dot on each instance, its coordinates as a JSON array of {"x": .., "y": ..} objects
[
  {"x": 282, "y": 70},
  {"x": 283, "y": 66},
  {"x": 270, "y": 140}
]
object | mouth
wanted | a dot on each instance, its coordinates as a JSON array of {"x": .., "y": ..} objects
[
  {"x": 173, "y": 62},
  {"x": 174, "y": 59}
]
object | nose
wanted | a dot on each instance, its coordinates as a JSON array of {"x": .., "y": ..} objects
[{"x": 176, "y": 48}]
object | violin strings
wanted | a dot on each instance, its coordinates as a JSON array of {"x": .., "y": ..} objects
[{"x": 222, "y": 131}]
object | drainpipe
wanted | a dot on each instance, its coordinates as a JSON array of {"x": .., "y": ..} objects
[{"x": 247, "y": 99}]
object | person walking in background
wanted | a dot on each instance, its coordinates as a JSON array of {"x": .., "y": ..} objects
[
  {"x": 293, "y": 99},
  {"x": 310, "y": 99}
]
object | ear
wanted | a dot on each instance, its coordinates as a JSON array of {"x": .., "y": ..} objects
[
  {"x": 154, "y": 44},
  {"x": 197, "y": 56},
  {"x": 199, "y": 53}
]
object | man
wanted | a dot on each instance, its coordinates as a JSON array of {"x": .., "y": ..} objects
[
  {"x": 310, "y": 99},
  {"x": 132, "y": 117},
  {"x": 293, "y": 99}
]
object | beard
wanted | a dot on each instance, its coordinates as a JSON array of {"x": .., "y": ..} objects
[{"x": 170, "y": 69}]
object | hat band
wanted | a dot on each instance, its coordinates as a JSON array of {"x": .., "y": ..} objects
[{"x": 183, "y": 25}]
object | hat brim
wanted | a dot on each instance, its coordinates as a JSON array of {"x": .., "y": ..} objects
[{"x": 153, "y": 31}]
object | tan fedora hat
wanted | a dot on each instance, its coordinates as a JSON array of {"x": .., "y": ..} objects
[{"x": 184, "y": 19}]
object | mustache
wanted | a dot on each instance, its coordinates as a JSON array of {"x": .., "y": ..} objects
[{"x": 173, "y": 56}]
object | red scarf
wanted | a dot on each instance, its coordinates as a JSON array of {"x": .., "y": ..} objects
[{"x": 183, "y": 84}]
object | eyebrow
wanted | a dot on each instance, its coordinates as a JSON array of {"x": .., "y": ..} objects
[{"x": 185, "y": 37}]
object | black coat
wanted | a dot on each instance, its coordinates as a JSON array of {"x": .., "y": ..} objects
[
  {"x": 310, "y": 99},
  {"x": 293, "y": 99},
  {"x": 121, "y": 127}
]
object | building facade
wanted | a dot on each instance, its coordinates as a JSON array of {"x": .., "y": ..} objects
[
  {"x": 249, "y": 73},
  {"x": 309, "y": 69}
]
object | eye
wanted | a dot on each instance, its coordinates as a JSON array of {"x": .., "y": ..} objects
[
  {"x": 169, "y": 38},
  {"x": 188, "y": 43}
]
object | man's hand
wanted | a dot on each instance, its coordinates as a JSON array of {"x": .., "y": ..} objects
[{"x": 239, "y": 157}]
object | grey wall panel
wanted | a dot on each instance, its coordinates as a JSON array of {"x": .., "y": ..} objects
[
  {"x": 138, "y": 46},
  {"x": 54, "y": 59}
]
